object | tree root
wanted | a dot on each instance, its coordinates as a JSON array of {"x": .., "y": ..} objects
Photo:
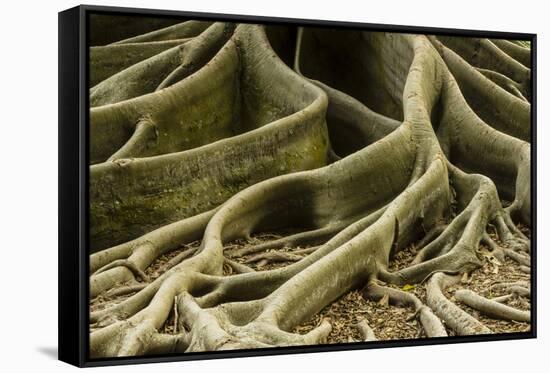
[
  {"x": 525, "y": 269},
  {"x": 181, "y": 257},
  {"x": 454, "y": 317},
  {"x": 274, "y": 256},
  {"x": 217, "y": 332},
  {"x": 507, "y": 285},
  {"x": 485, "y": 54},
  {"x": 490, "y": 307},
  {"x": 503, "y": 298},
  {"x": 127, "y": 264},
  {"x": 106, "y": 61},
  {"x": 521, "y": 259},
  {"x": 143, "y": 251},
  {"x": 504, "y": 82},
  {"x": 428, "y": 238},
  {"x": 517, "y": 52},
  {"x": 236, "y": 128},
  {"x": 431, "y": 324},
  {"x": 270, "y": 150},
  {"x": 178, "y": 31},
  {"x": 366, "y": 331},
  {"x": 124, "y": 290},
  {"x": 238, "y": 267},
  {"x": 144, "y": 134},
  {"x": 316, "y": 236}
]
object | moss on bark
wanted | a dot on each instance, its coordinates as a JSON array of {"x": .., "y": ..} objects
[{"x": 373, "y": 141}]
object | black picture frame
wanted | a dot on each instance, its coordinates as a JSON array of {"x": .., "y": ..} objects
[{"x": 73, "y": 186}]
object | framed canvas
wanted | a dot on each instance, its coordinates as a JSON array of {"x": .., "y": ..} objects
[{"x": 232, "y": 186}]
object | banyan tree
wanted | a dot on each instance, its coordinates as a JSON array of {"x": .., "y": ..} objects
[{"x": 348, "y": 145}]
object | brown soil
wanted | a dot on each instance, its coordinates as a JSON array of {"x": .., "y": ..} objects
[{"x": 388, "y": 322}]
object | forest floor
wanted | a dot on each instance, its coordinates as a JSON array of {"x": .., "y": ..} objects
[{"x": 387, "y": 321}]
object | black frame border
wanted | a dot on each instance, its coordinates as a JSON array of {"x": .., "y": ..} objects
[{"x": 73, "y": 109}]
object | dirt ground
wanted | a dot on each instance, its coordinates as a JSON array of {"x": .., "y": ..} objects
[{"x": 388, "y": 322}]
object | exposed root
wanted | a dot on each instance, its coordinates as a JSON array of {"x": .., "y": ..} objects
[
  {"x": 432, "y": 325},
  {"x": 124, "y": 263},
  {"x": 238, "y": 267},
  {"x": 428, "y": 238},
  {"x": 124, "y": 290},
  {"x": 217, "y": 141},
  {"x": 525, "y": 269},
  {"x": 524, "y": 260},
  {"x": 317, "y": 236},
  {"x": 176, "y": 315},
  {"x": 105, "y": 61},
  {"x": 218, "y": 332},
  {"x": 181, "y": 257},
  {"x": 144, "y": 133},
  {"x": 274, "y": 257},
  {"x": 503, "y": 298},
  {"x": 177, "y": 31},
  {"x": 490, "y": 307},
  {"x": 366, "y": 331},
  {"x": 142, "y": 252},
  {"x": 455, "y": 318},
  {"x": 509, "y": 285}
]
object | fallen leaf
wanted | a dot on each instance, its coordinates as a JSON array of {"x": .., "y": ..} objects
[{"x": 385, "y": 300}]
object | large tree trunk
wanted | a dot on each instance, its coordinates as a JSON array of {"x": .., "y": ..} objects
[{"x": 362, "y": 141}]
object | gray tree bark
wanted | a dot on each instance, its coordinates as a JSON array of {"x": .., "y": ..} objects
[{"x": 366, "y": 141}]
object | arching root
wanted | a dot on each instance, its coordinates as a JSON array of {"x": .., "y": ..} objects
[
  {"x": 455, "y": 318},
  {"x": 215, "y": 328},
  {"x": 277, "y": 256},
  {"x": 366, "y": 331},
  {"x": 124, "y": 290},
  {"x": 317, "y": 236},
  {"x": 490, "y": 307},
  {"x": 127, "y": 264},
  {"x": 396, "y": 173},
  {"x": 431, "y": 324},
  {"x": 238, "y": 267}
]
